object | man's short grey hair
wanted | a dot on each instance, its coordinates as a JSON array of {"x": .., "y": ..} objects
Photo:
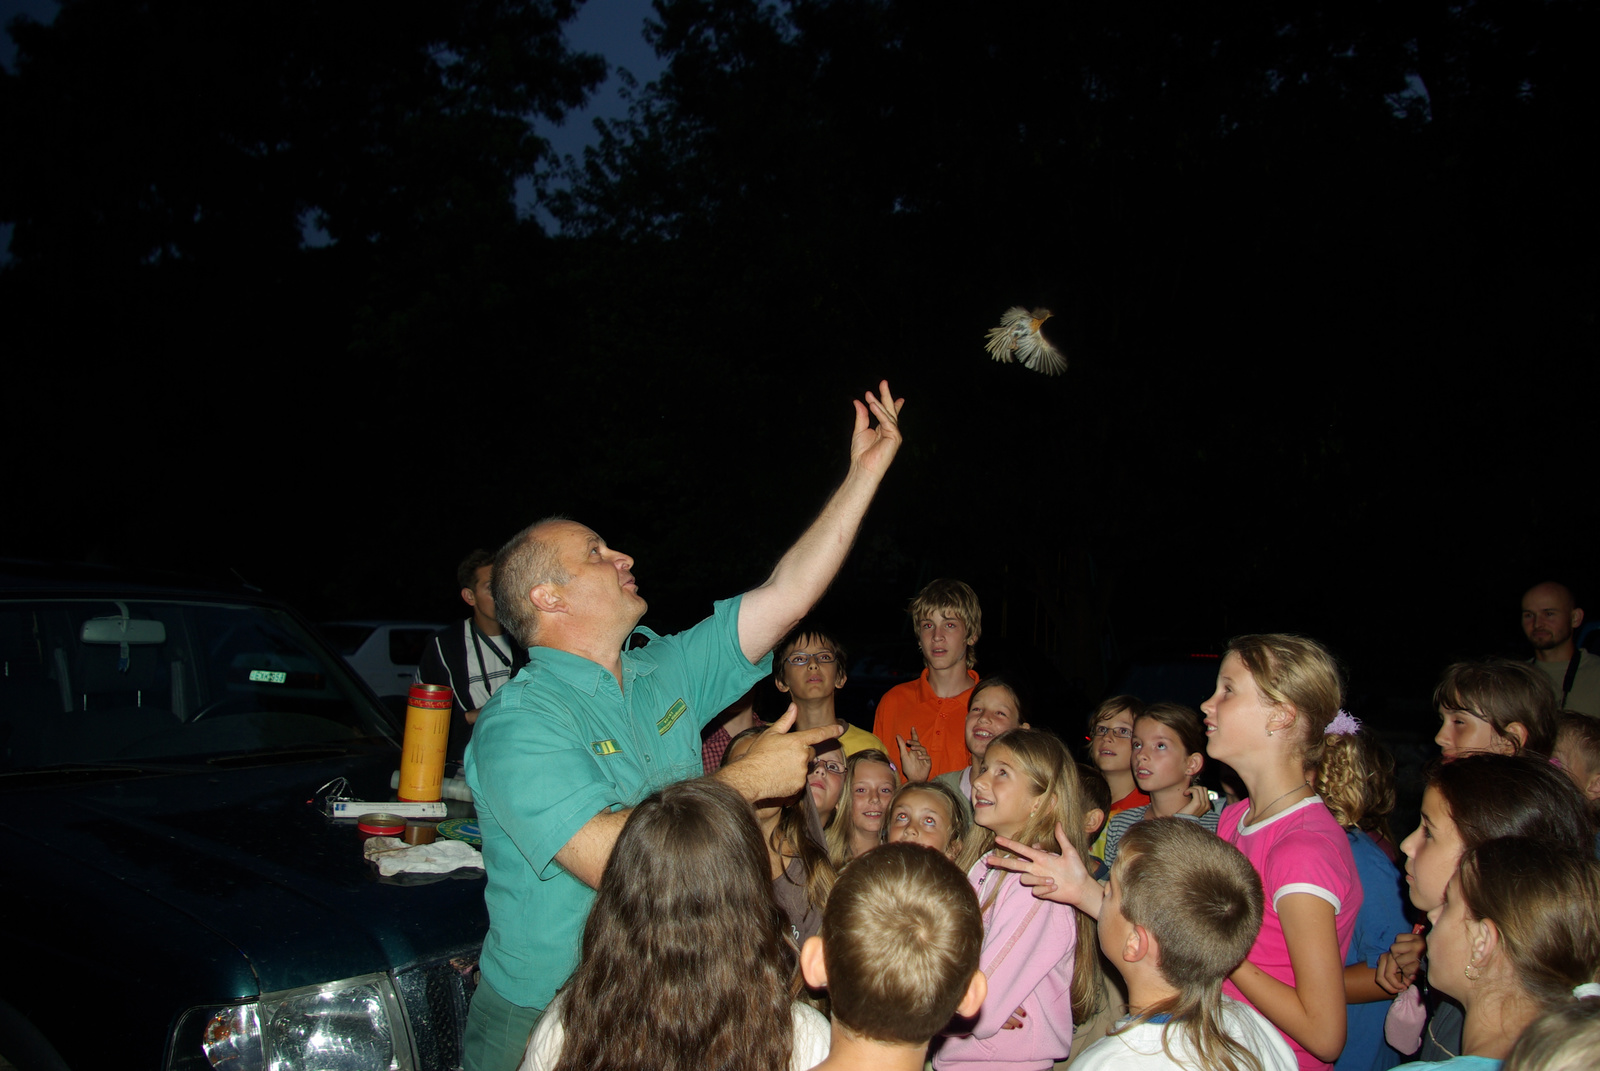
[{"x": 520, "y": 566}]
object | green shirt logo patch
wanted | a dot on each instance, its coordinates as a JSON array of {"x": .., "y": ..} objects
[
  {"x": 673, "y": 713},
  {"x": 604, "y": 747}
]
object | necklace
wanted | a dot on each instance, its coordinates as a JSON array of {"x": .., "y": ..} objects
[{"x": 1268, "y": 809}]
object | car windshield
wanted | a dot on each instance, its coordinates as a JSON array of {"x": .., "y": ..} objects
[
  {"x": 113, "y": 681},
  {"x": 347, "y": 638}
]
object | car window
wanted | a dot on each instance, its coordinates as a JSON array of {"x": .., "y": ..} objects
[
  {"x": 346, "y": 639},
  {"x": 115, "y": 680},
  {"x": 405, "y": 645}
]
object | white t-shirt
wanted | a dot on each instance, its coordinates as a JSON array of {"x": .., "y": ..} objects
[
  {"x": 1139, "y": 1048},
  {"x": 812, "y": 1037}
]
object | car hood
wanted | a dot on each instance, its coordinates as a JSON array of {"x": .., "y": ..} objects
[{"x": 236, "y": 866}]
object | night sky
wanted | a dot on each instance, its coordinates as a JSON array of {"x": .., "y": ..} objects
[{"x": 1331, "y": 372}]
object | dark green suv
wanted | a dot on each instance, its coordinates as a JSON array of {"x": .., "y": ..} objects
[{"x": 174, "y": 898}]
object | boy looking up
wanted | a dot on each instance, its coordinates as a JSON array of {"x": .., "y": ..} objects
[
  {"x": 808, "y": 667},
  {"x": 898, "y": 955},
  {"x": 929, "y": 715},
  {"x": 1181, "y": 912}
]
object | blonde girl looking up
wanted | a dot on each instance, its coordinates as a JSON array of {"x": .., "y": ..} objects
[{"x": 869, "y": 785}]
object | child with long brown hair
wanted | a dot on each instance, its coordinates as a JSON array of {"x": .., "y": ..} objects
[
  {"x": 797, "y": 855},
  {"x": 1518, "y": 935},
  {"x": 683, "y": 967},
  {"x": 1468, "y": 802},
  {"x": 1497, "y": 705},
  {"x": 1169, "y": 751}
]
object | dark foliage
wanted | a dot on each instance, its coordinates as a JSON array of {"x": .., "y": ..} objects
[{"x": 1325, "y": 273}]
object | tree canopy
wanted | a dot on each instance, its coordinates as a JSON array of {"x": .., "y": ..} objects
[
  {"x": 1316, "y": 266},
  {"x": 180, "y": 129}
]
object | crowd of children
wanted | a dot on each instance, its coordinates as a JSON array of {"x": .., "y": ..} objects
[{"x": 957, "y": 889}]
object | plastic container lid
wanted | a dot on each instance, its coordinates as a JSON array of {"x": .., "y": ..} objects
[{"x": 380, "y": 824}]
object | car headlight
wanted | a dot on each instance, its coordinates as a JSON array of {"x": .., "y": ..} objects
[{"x": 349, "y": 1025}]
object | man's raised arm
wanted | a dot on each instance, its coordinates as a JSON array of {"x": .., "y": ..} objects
[{"x": 767, "y": 613}]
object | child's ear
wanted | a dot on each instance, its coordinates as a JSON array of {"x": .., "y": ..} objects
[
  {"x": 813, "y": 965},
  {"x": 1485, "y": 940},
  {"x": 1093, "y": 821},
  {"x": 1194, "y": 763},
  {"x": 1137, "y": 945},
  {"x": 1516, "y": 733},
  {"x": 1282, "y": 717},
  {"x": 977, "y": 990},
  {"x": 1591, "y": 791},
  {"x": 1047, "y": 802},
  {"x": 782, "y": 687}
]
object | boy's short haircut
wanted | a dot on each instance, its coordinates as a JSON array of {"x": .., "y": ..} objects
[
  {"x": 900, "y": 939},
  {"x": 1195, "y": 893},
  {"x": 1096, "y": 792},
  {"x": 1581, "y": 734},
  {"x": 808, "y": 629},
  {"x": 955, "y": 599}
]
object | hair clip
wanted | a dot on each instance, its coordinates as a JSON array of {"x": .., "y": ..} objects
[{"x": 1345, "y": 724}]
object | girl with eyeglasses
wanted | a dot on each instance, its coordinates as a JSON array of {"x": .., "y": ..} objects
[
  {"x": 797, "y": 854},
  {"x": 1110, "y": 748}
]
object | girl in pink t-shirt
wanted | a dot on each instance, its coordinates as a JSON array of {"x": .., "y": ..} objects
[{"x": 1276, "y": 696}]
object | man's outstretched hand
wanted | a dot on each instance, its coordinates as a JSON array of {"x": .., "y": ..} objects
[
  {"x": 776, "y": 765},
  {"x": 872, "y": 448}
]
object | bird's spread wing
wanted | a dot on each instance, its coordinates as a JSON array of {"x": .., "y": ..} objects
[
  {"x": 1019, "y": 337},
  {"x": 1002, "y": 340}
]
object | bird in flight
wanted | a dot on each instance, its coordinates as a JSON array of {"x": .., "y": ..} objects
[{"x": 1019, "y": 337}]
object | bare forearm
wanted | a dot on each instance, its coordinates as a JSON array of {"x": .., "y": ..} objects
[
  {"x": 768, "y": 612},
  {"x": 585, "y": 856},
  {"x": 1286, "y": 1007},
  {"x": 1361, "y": 985}
]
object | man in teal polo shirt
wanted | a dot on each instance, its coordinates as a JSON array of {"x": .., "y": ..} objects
[{"x": 586, "y": 729}]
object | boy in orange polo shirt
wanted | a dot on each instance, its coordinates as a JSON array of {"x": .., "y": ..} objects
[{"x": 928, "y": 715}]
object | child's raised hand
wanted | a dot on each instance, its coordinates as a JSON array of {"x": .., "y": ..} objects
[
  {"x": 1061, "y": 878},
  {"x": 1406, "y": 955},
  {"x": 1199, "y": 801},
  {"x": 914, "y": 761}
]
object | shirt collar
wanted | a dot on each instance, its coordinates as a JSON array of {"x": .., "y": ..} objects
[
  {"x": 587, "y": 676},
  {"x": 925, "y": 689}
]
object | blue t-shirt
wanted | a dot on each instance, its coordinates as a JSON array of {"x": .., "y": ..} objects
[{"x": 1381, "y": 917}]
